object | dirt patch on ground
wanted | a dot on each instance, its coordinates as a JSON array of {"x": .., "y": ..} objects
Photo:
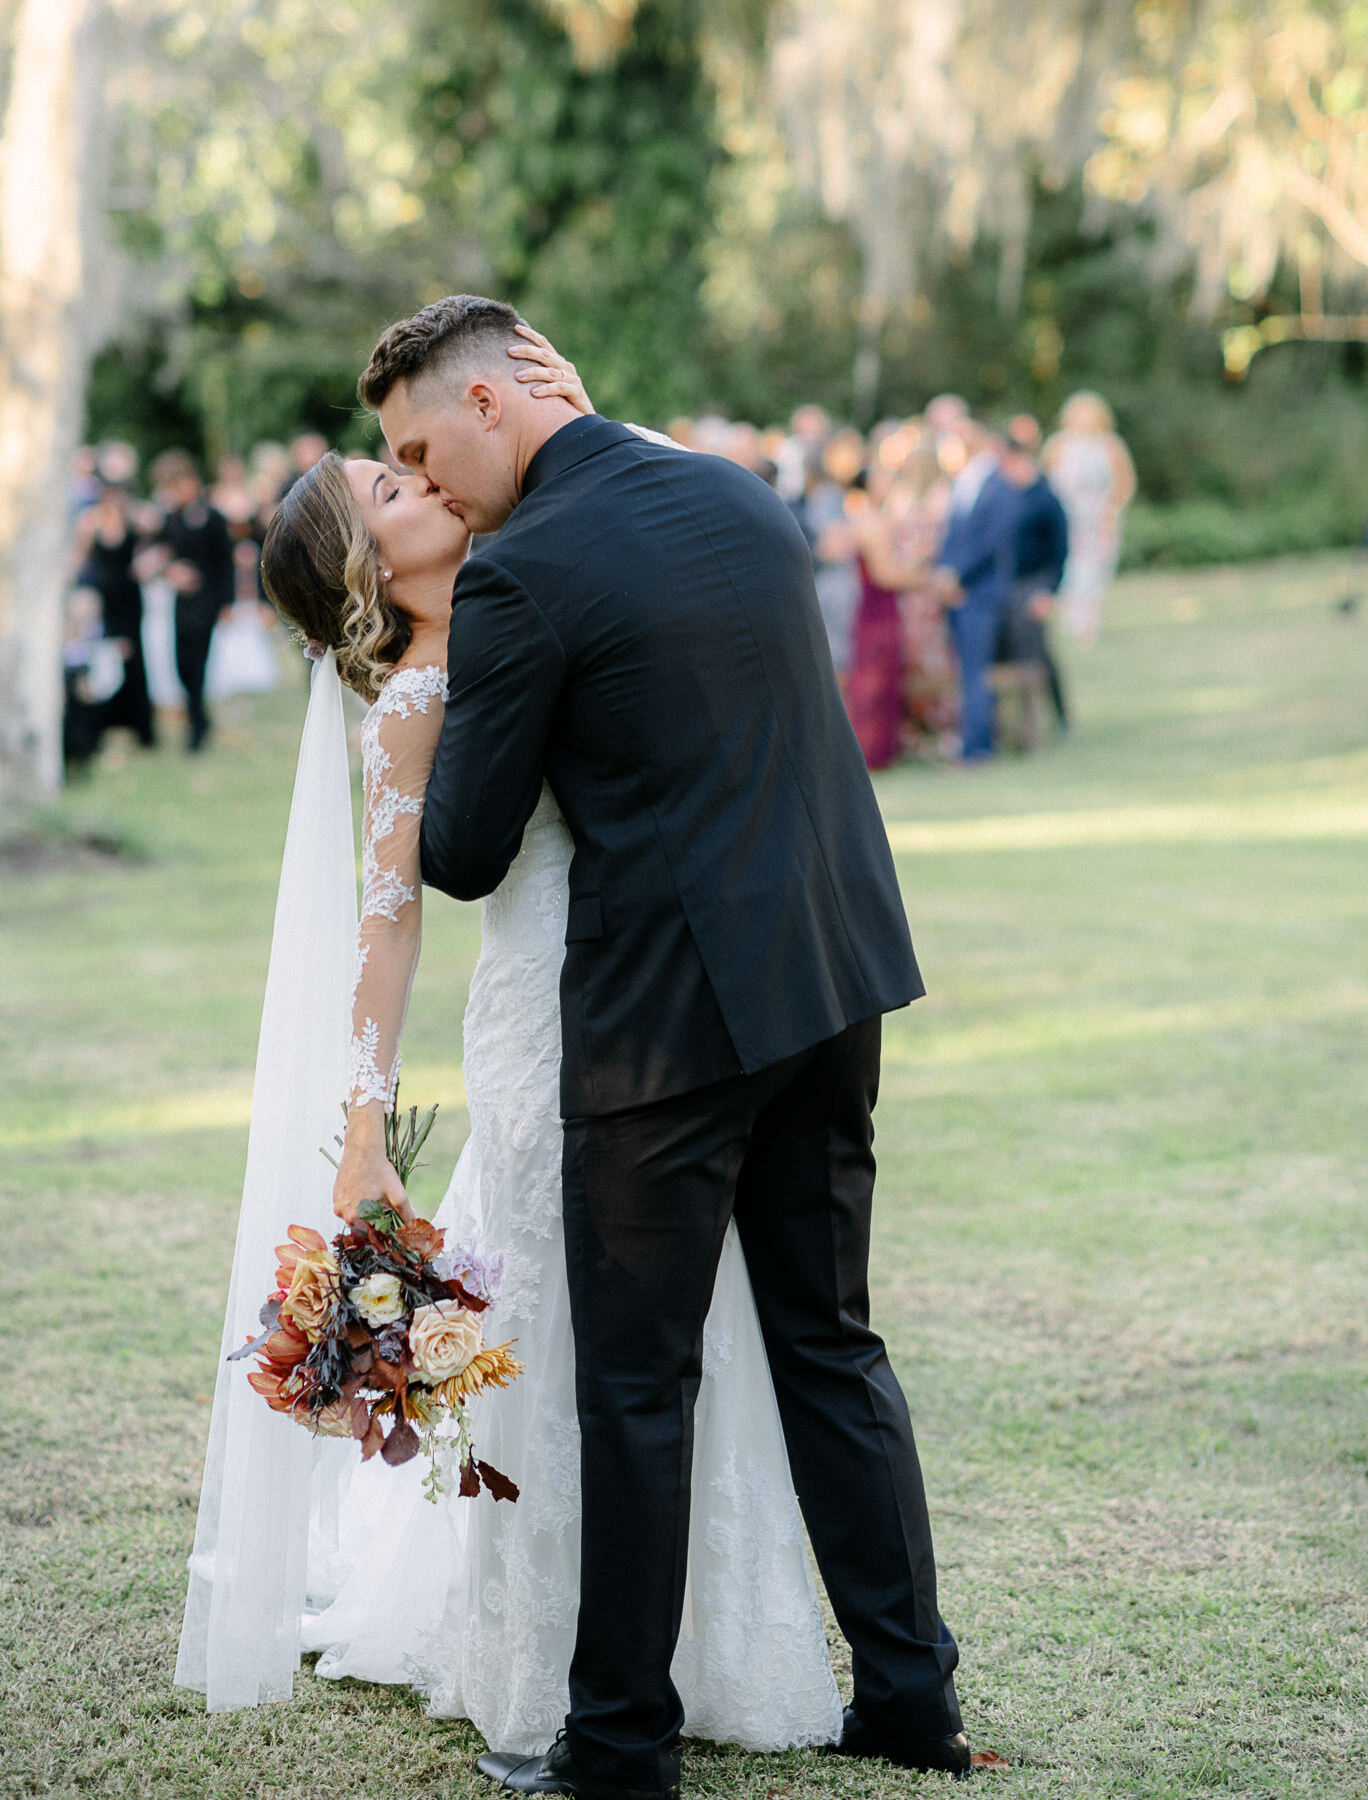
[{"x": 54, "y": 853}]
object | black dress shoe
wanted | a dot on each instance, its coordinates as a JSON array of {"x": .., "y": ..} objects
[
  {"x": 948, "y": 1754},
  {"x": 522, "y": 1774},
  {"x": 558, "y": 1773}
]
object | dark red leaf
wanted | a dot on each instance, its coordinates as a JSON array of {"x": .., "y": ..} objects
[
  {"x": 360, "y": 1420},
  {"x": 401, "y": 1444},
  {"x": 374, "y": 1438},
  {"x": 471, "y": 1302},
  {"x": 989, "y": 1759},
  {"x": 499, "y": 1485},
  {"x": 470, "y": 1480}
]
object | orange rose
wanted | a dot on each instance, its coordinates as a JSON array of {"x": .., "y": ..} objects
[
  {"x": 303, "y": 1242},
  {"x": 313, "y": 1288}
]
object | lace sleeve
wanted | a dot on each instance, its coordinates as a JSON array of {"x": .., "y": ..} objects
[{"x": 398, "y": 742}]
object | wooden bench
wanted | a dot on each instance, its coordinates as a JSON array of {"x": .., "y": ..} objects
[{"x": 1022, "y": 690}]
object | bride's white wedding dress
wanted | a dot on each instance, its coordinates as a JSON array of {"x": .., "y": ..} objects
[{"x": 474, "y": 1602}]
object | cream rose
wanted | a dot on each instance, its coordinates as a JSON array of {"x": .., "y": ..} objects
[
  {"x": 313, "y": 1286},
  {"x": 379, "y": 1299},
  {"x": 443, "y": 1339}
]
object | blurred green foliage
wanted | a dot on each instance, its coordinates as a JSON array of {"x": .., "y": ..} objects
[{"x": 620, "y": 202}]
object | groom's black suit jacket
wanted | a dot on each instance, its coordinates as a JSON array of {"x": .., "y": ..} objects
[{"x": 644, "y": 633}]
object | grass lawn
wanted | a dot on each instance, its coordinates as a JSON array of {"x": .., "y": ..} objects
[{"x": 1121, "y": 1252}]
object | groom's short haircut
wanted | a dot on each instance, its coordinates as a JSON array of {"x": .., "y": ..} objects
[{"x": 461, "y": 332}]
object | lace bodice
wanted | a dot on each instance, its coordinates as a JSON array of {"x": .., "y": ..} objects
[{"x": 398, "y": 744}]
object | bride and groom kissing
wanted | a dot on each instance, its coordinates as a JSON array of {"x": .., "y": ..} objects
[{"x": 601, "y": 700}]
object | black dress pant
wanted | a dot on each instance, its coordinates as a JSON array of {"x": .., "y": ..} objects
[
  {"x": 132, "y": 705},
  {"x": 193, "y": 637},
  {"x": 122, "y": 604},
  {"x": 648, "y": 1194}
]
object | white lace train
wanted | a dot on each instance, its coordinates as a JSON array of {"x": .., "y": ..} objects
[{"x": 474, "y": 1602}]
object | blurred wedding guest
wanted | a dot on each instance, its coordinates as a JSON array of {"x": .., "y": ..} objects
[
  {"x": 1042, "y": 545},
  {"x": 118, "y": 462},
  {"x": 83, "y": 488},
  {"x": 1091, "y": 471},
  {"x": 242, "y": 656},
  {"x": 874, "y": 693},
  {"x": 944, "y": 412},
  {"x": 810, "y": 426},
  {"x": 306, "y": 452},
  {"x": 821, "y": 511},
  {"x": 270, "y": 472},
  {"x": 106, "y": 547},
  {"x": 746, "y": 446},
  {"x": 946, "y": 419},
  {"x": 711, "y": 434},
  {"x": 232, "y": 496},
  {"x": 93, "y": 670},
  {"x": 193, "y": 552},
  {"x": 808, "y": 431},
  {"x": 931, "y": 699},
  {"x": 975, "y": 568},
  {"x": 980, "y": 451}
]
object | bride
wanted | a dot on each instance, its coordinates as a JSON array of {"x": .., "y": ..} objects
[{"x": 472, "y": 1602}]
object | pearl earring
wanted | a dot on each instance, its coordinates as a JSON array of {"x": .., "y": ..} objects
[{"x": 388, "y": 574}]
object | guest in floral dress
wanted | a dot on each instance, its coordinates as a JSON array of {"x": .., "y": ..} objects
[{"x": 1090, "y": 469}]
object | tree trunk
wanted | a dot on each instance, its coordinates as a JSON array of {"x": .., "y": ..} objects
[{"x": 48, "y": 208}]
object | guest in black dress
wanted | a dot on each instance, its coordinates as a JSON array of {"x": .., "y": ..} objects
[{"x": 107, "y": 542}]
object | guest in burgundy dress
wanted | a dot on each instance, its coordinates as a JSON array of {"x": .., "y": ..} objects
[{"x": 875, "y": 693}]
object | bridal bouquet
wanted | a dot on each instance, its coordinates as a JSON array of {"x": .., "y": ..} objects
[{"x": 384, "y": 1326}]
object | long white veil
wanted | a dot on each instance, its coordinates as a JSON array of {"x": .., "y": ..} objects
[{"x": 240, "y": 1638}]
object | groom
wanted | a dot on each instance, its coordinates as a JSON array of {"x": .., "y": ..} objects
[{"x": 643, "y": 634}]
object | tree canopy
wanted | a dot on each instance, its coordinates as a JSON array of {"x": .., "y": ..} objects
[{"x": 734, "y": 204}]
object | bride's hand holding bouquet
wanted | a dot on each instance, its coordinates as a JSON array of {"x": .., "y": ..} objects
[
  {"x": 364, "y": 1169},
  {"x": 384, "y": 1325}
]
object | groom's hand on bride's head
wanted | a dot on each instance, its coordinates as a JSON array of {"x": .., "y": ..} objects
[{"x": 555, "y": 378}]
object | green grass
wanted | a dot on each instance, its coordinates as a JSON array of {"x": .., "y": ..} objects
[{"x": 1121, "y": 1252}]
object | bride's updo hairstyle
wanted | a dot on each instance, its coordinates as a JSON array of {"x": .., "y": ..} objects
[{"x": 320, "y": 567}]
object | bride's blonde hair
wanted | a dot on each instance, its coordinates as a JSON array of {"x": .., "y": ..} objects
[{"x": 320, "y": 567}]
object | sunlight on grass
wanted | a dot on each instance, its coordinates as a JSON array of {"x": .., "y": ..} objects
[
  {"x": 213, "y": 1110},
  {"x": 1289, "y": 819},
  {"x": 1030, "y": 1034}
]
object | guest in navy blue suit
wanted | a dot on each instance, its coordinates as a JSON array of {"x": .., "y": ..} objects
[
  {"x": 1042, "y": 546},
  {"x": 977, "y": 562}
]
